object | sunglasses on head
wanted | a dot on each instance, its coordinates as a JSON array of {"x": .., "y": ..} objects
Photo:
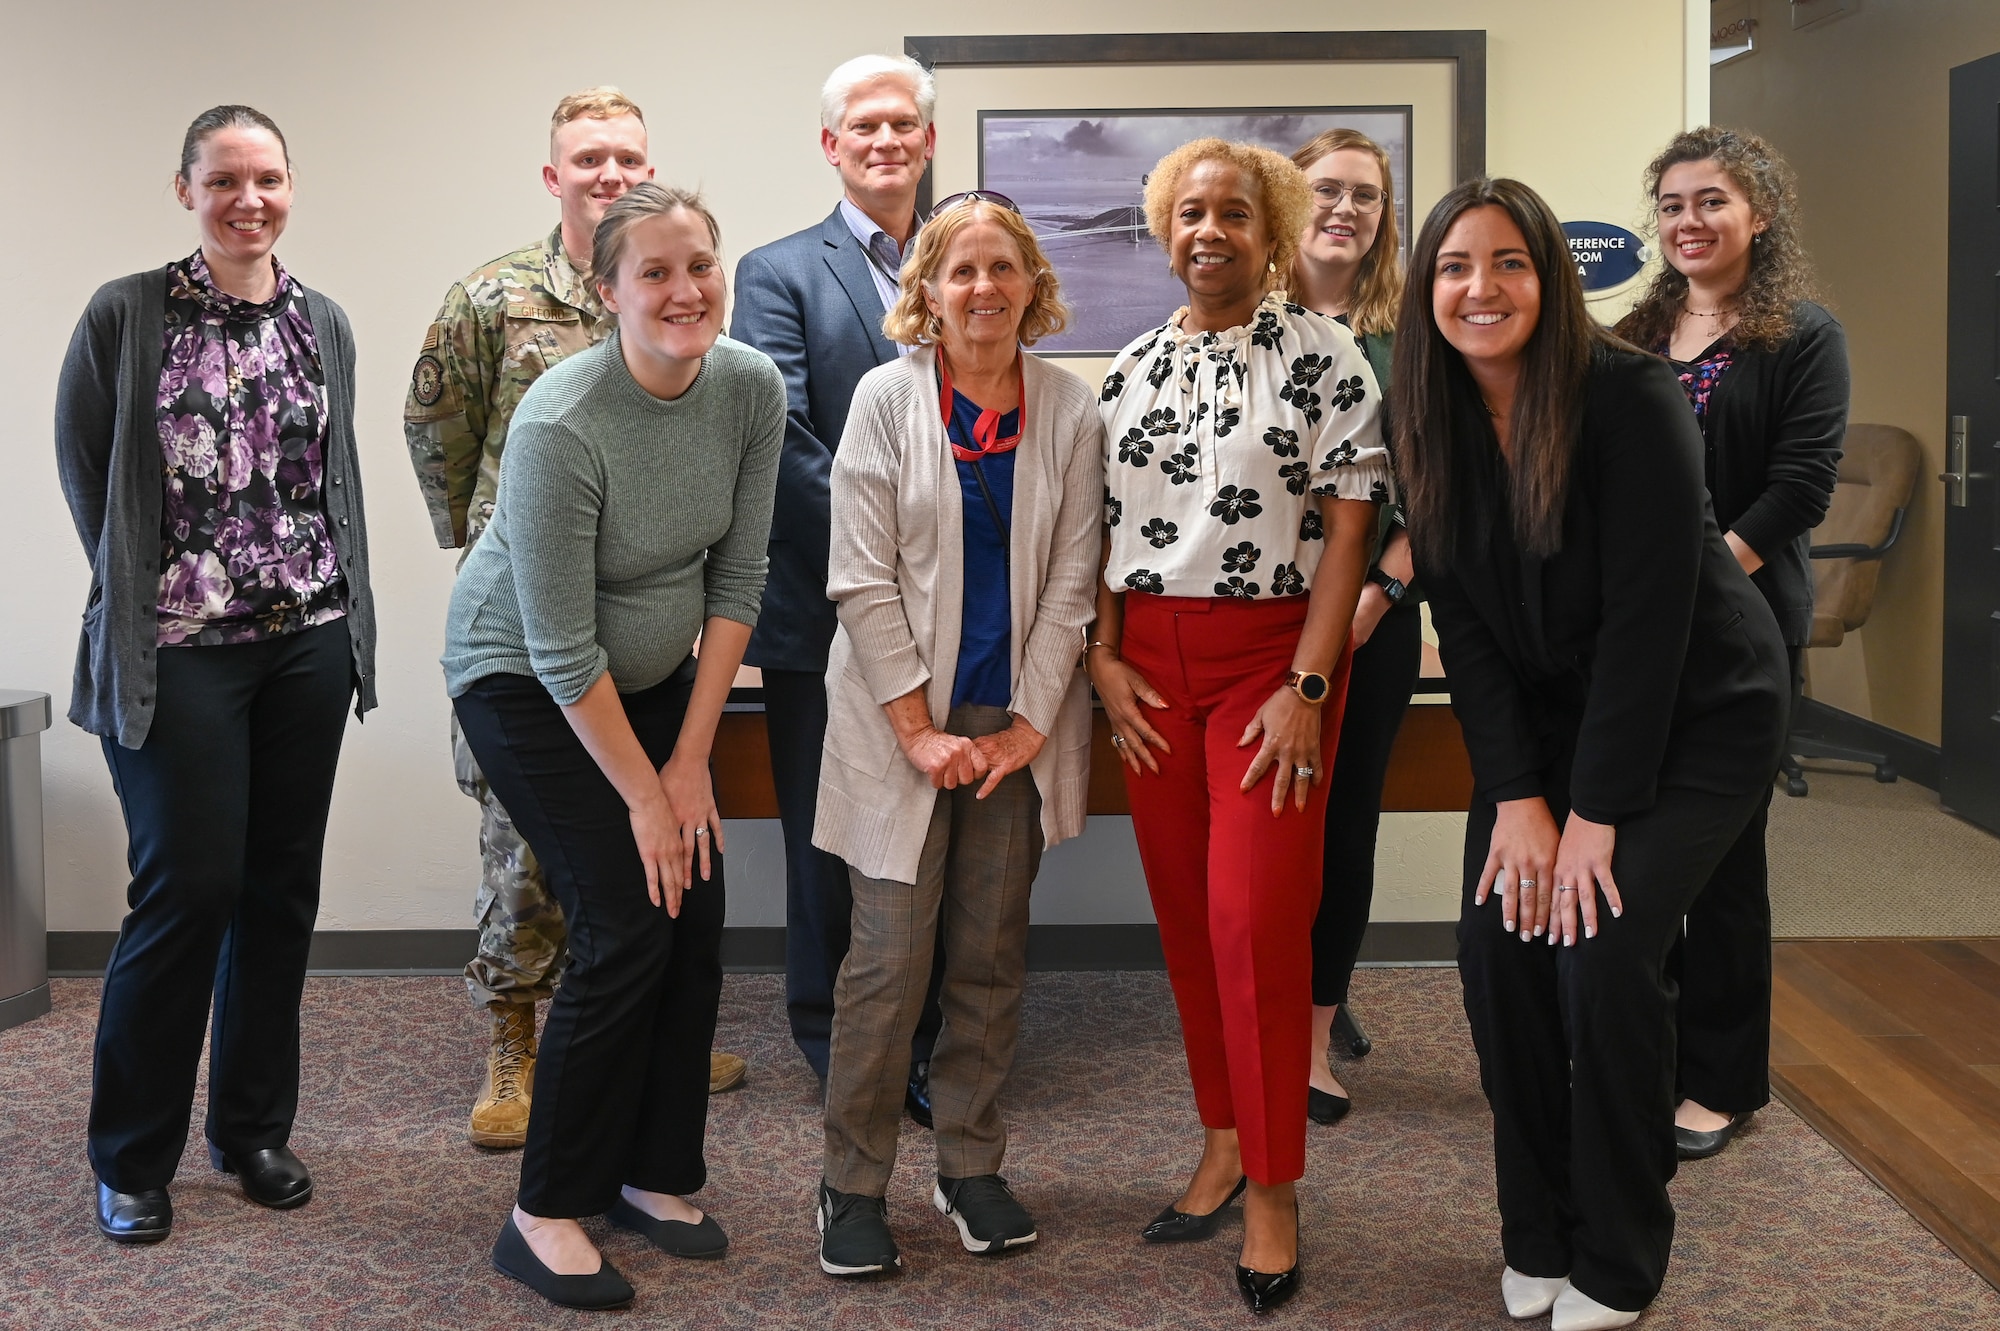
[{"x": 976, "y": 196}]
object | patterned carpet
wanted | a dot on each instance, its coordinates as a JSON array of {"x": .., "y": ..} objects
[{"x": 1400, "y": 1230}]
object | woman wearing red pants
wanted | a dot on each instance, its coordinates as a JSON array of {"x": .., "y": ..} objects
[{"x": 1244, "y": 465}]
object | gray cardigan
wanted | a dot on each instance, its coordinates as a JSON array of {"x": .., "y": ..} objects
[{"x": 108, "y": 455}]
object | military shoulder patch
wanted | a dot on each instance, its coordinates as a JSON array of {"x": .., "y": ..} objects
[{"x": 427, "y": 382}]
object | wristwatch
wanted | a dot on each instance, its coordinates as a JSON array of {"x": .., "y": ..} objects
[
  {"x": 1392, "y": 586},
  {"x": 1308, "y": 685}
]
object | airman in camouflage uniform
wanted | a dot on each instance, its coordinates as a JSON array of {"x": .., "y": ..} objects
[{"x": 495, "y": 334}]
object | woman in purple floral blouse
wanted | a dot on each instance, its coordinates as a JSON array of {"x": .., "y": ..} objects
[{"x": 204, "y": 429}]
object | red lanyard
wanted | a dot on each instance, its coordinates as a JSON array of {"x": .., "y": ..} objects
[{"x": 985, "y": 430}]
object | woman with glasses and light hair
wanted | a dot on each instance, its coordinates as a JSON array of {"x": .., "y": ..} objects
[
  {"x": 1244, "y": 468},
  {"x": 966, "y": 496},
  {"x": 1350, "y": 268},
  {"x": 634, "y": 506},
  {"x": 1765, "y": 369}
]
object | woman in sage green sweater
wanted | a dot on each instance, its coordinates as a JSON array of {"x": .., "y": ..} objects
[{"x": 633, "y": 512}]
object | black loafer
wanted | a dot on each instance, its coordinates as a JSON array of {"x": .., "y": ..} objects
[
  {"x": 1325, "y": 1107},
  {"x": 272, "y": 1177},
  {"x": 134, "y": 1217},
  {"x": 1692, "y": 1145},
  {"x": 602, "y": 1288},
  {"x": 1174, "y": 1226},
  {"x": 1266, "y": 1292},
  {"x": 676, "y": 1238},
  {"x": 917, "y": 1095}
]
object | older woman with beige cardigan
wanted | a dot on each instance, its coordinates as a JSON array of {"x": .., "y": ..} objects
[{"x": 967, "y": 494}]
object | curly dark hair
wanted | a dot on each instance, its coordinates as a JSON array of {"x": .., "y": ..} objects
[{"x": 1780, "y": 273}]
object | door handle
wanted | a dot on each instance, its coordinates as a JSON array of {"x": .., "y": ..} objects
[{"x": 1955, "y": 459}]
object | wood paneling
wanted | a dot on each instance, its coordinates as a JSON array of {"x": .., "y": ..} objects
[
  {"x": 1428, "y": 769},
  {"x": 1890, "y": 1048}
]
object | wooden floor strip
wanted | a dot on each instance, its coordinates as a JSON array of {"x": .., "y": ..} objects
[{"x": 1891, "y": 1050}]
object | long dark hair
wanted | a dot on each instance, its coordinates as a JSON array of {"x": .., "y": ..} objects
[
  {"x": 1780, "y": 273},
  {"x": 1436, "y": 407}
]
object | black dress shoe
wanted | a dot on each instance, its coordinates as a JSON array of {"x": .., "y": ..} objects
[
  {"x": 602, "y": 1288},
  {"x": 917, "y": 1095},
  {"x": 676, "y": 1238},
  {"x": 1326, "y": 1107},
  {"x": 1692, "y": 1145},
  {"x": 1266, "y": 1292},
  {"x": 134, "y": 1217},
  {"x": 1174, "y": 1226},
  {"x": 272, "y": 1177}
]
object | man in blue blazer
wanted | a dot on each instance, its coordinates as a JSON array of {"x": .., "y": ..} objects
[{"x": 813, "y": 302}]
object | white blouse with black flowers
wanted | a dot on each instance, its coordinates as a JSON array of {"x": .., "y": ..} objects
[{"x": 1213, "y": 440}]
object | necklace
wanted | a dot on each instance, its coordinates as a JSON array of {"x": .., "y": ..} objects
[{"x": 1707, "y": 314}]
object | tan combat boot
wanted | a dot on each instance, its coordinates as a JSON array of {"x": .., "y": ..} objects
[
  {"x": 500, "y": 1119},
  {"x": 725, "y": 1072}
]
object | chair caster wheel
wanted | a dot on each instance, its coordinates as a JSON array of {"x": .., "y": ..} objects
[
  {"x": 1350, "y": 1032},
  {"x": 1795, "y": 786},
  {"x": 1886, "y": 774}
]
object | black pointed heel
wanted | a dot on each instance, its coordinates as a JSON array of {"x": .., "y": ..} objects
[
  {"x": 1326, "y": 1108},
  {"x": 1262, "y": 1292},
  {"x": 1173, "y": 1226}
]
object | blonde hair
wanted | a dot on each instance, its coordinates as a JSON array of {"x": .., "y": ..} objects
[
  {"x": 1378, "y": 286},
  {"x": 602, "y": 103},
  {"x": 1286, "y": 196},
  {"x": 635, "y": 205},
  {"x": 910, "y": 321}
]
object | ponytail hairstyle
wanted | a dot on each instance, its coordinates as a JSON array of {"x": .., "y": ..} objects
[{"x": 218, "y": 118}]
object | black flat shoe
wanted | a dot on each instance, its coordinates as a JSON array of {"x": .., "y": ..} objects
[
  {"x": 917, "y": 1095},
  {"x": 602, "y": 1288},
  {"x": 1692, "y": 1145},
  {"x": 1174, "y": 1226},
  {"x": 134, "y": 1217},
  {"x": 676, "y": 1238},
  {"x": 272, "y": 1177},
  {"x": 1326, "y": 1107},
  {"x": 1266, "y": 1292}
]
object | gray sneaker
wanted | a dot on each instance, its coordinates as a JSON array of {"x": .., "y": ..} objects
[
  {"x": 854, "y": 1238},
  {"x": 988, "y": 1217}
]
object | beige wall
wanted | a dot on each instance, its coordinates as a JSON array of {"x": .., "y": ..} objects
[
  {"x": 418, "y": 131},
  {"x": 1859, "y": 107}
]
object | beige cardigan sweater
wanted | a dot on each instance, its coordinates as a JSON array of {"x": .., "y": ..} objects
[{"x": 897, "y": 570}]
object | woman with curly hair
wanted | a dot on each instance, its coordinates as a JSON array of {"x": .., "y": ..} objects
[
  {"x": 1766, "y": 372},
  {"x": 1350, "y": 268},
  {"x": 1220, "y": 650}
]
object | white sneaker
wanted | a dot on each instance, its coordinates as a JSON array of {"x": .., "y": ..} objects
[
  {"x": 1577, "y": 1311},
  {"x": 1529, "y": 1296}
]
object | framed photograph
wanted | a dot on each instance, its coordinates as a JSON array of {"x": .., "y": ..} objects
[
  {"x": 1068, "y": 124},
  {"x": 1080, "y": 178}
]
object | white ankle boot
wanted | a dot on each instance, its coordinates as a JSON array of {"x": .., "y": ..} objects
[
  {"x": 1577, "y": 1311},
  {"x": 1529, "y": 1296}
]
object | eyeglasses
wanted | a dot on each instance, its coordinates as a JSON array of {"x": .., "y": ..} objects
[
  {"x": 976, "y": 196},
  {"x": 1329, "y": 193}
]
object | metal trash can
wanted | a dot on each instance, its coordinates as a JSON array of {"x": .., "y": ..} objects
[{"x": 24, "y": 938}]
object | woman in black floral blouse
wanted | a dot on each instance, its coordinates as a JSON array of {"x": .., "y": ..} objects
[
  {"x": 1244, "y": 466},
  {"x": 204, "y": 430}
]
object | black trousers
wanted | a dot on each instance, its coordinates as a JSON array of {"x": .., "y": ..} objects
[
  {"x": 621, "y": 1081},
  {"x": 819, "y": 900},
  {"x": 1723, "y": 964},
  {"x": 1378, "y": 693},
  {"x": 1576, "y": 1050},
  {"x": 225, "y": 817}
]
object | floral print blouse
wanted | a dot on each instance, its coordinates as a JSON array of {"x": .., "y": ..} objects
[
  {"x": 1700, "y": 376},
  {"x": 1215, "y": 443},
  {"x": 244, "y": 550}
]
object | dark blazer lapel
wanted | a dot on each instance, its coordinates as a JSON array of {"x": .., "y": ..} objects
[{"x": 849, "y": 263}]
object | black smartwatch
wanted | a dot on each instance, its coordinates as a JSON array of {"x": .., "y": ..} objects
[
  {"x": 1310, "y": 685},
  {"x": 1391, "y": 585}
]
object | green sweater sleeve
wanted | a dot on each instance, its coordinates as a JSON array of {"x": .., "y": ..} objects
[{"x": 555, "y": 489}]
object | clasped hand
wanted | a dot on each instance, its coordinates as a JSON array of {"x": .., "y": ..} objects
[
  {"x": 676, "y": 829},
  {"x": 951, "y": 761},
  {"x": 1548, "y": 883}
]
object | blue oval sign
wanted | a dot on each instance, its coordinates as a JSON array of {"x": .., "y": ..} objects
[{"x": 1605, "y": 255}]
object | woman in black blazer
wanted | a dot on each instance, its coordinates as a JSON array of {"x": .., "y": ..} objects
[
  {"x": 205, "y": 436},
  {"x": 1622, "y": 690},
  {"x": 1765, "y": 370}
]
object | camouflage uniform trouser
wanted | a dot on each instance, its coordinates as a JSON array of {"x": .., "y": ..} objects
[{"x": 523, "y": 944}]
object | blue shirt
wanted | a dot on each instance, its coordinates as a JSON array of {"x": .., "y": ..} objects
[
  {"x": 885, "y": 263},
  {"x": 985, "y": 657}
]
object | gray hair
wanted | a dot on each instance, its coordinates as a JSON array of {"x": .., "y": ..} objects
[{"x": 863, "y": 70}]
